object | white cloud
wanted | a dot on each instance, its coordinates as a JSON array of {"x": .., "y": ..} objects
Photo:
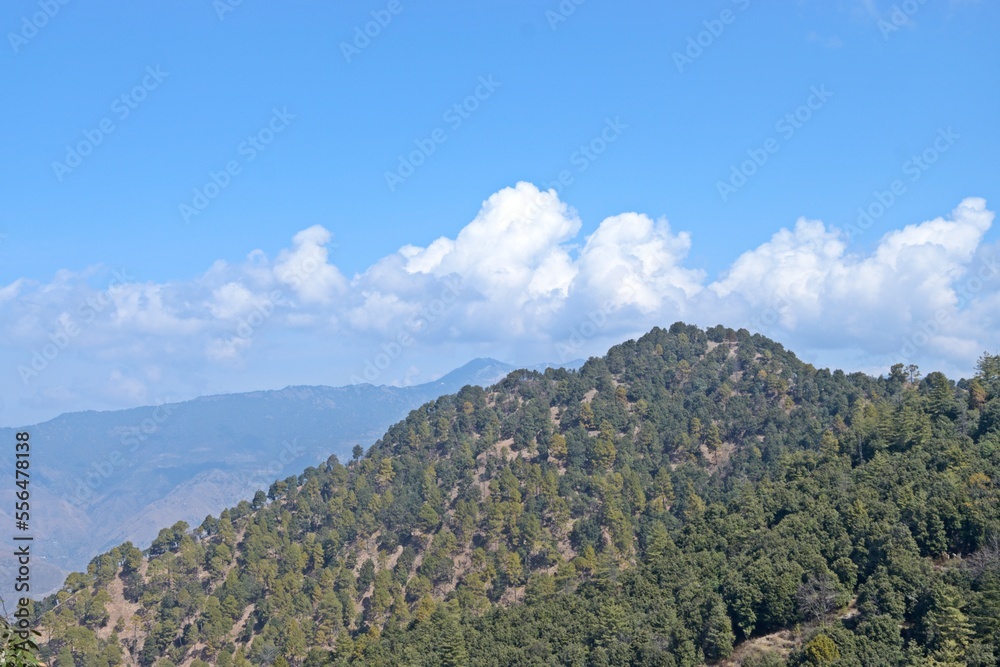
[
  {"x": 819, "y": 286},
  {"x": 230, "y": 300},
  {"x": 141, "y": 307},
  {"x": 304, "y": 268},
  {"x": 512, "y": 249},
  {"x": 635, "y": 262},
  {"x": 226, "y": 350},
  {"x": 11, "y": 291},
  {"x": 518, "y": 280},
  {"x": 377, "y": 311},
  {"x": 121, "y": 386}
]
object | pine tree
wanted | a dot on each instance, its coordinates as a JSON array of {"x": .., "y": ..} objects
[
  {"x": 713, "y": 439},
  {"x": 557, "y": 448},
  {"x": 451, "y": 646},
  {"x": 718, "y": 635},
  {"x": 604, "y": 450},
  {"x": 989, "y": 373},
  {"x": 694, "y": 429},
  {"x": 295, "y": 642},
  {"x": 942, "y": 398},
  {"x": 663, "y": 490},
  {"x": 948, "y": 629},
  {"x": 977, "y": 394},
  {"x": 385, "y": 472}
]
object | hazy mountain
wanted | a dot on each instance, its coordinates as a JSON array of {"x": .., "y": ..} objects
[{"x": 100, "y": 478}]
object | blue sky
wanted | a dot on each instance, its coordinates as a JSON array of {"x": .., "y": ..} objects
[{"x": 670, "y": 100}]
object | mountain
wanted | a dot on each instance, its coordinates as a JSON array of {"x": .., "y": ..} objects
[
  {"x": 694, "y": 497},
  {"x": 102, "y": 478}
]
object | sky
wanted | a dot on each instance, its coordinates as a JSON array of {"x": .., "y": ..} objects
[{"x": 206, "y": 196}]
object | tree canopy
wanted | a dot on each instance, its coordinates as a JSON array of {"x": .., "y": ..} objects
[{"x": 671, "y": 503}]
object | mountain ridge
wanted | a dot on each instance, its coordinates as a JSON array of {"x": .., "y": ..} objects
[
  {"x": 136, "y": 467},
  {"x": 683, "y": 500}
]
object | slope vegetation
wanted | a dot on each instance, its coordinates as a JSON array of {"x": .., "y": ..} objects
[
  {"x": 693, "y": 497},
  {"x": 104, "y": 478}
]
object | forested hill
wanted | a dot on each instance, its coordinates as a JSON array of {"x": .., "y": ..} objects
[{"x": 693, "y": 497}]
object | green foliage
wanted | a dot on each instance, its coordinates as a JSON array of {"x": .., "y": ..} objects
[
  {"x": 989, "y": 373},
  {"x": 687, "y": 492},
  {"x": 821, "y": 650}
]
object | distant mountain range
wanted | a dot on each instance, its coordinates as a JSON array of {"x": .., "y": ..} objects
[{"x": 101, "y": 478}]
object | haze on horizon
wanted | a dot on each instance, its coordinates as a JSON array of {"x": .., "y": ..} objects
[{"x": 205, "y": 200}]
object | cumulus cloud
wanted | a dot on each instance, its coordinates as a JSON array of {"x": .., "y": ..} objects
[
  {"x": 145, "y": 308},
  {"x": 524, "y": 272},
  {"x": 226, "y": 350},
  {"x": 230, "y": 300},
  {"x": 519, "y": 279},
  {"x": 632, "y": 260},
  {"x": 817, "y": 287},
  {"x": 513, "y": 250},
  {"x": 11, "y": 291},
  {"x": 305, "y": 269}
]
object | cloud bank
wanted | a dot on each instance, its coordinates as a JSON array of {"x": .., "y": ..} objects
[{"x": 518, "y": 281}]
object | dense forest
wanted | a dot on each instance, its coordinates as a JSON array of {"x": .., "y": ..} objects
[{"x": 694, "y": 497}]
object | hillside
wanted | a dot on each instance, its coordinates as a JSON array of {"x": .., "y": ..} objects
[
  {"x": 693, "y": 497},
  {"x": 103, "y": 478}
]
